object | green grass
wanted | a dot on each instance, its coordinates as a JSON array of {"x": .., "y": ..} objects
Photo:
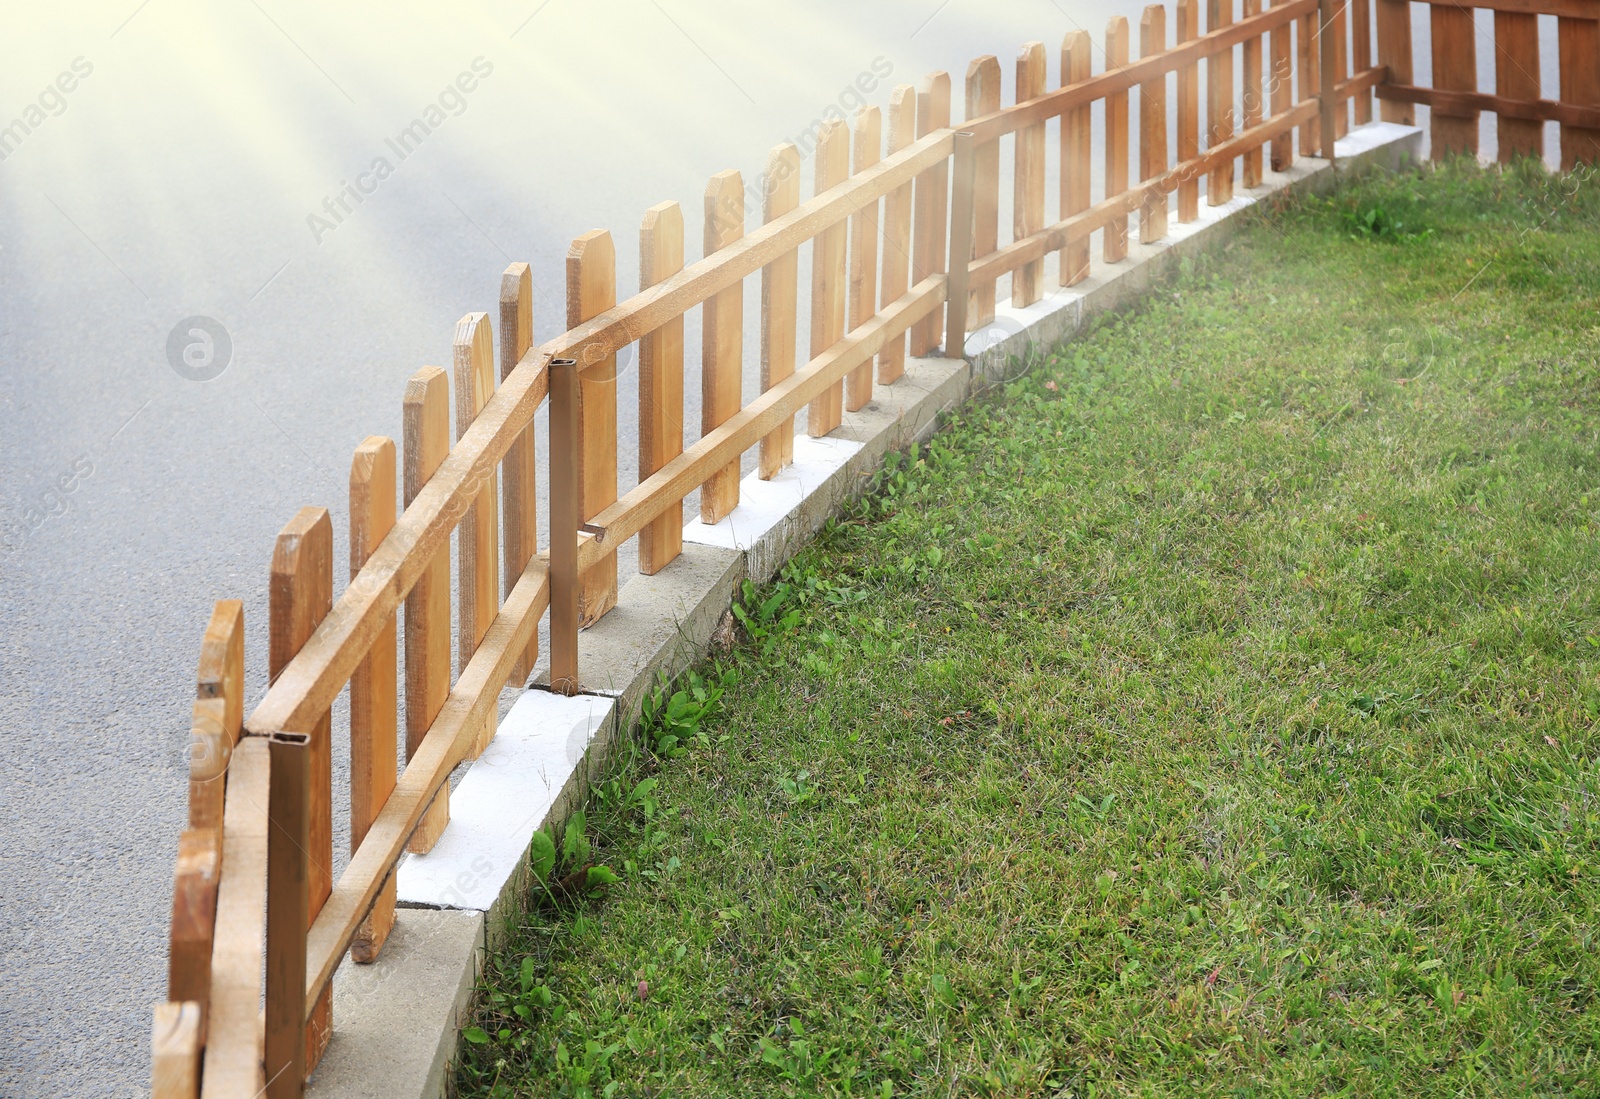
[{"x": 1212, "y": 711}]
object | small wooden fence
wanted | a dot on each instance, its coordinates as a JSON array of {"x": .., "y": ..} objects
[{"x": 257, "y": 917}]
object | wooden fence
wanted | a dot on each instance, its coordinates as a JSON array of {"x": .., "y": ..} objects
[{"x": 905, "y": 257}]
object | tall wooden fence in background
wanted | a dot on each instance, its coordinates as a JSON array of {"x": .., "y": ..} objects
[{"x": 904, "y": 232}]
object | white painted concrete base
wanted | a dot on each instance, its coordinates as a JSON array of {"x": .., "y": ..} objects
[{"x": 396, "y": 1022}]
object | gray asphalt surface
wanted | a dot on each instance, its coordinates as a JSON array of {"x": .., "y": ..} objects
[{"x": 173, "y": 172}]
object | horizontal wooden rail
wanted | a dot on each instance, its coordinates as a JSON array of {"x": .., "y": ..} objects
[
  {"x": 1468, "y": 104},
  {"x": 452, "y": 733},
  {"x": 625, "y": 518},
  {"x": 1048, "y": 106},
  {"x": 1565, "y": 9}
]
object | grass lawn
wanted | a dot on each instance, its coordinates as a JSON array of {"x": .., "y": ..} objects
[{"x": 1212, "y": 711}]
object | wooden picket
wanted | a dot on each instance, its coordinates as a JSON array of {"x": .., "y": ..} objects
[{"x": 905, "y": 257}]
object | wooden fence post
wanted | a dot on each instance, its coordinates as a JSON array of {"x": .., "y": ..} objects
[
  {"x": 1327, "y": 81},
  {"x": 1455, "y": 68},
  {"x": 1394, "y": 51},
  {"x": 218, "y": 712},
  {"x": 1114, "y": 238},
  {"x": 1254, "y": 108},
  {"x": 828, "y": 277},
  {"x": 426, "y": 441},
  {"x": 1076, "y": 152},
  {"x": 780, "y": 290},
  {"x": 591, "y": 290},
  {"x": 1361, "y": 55},
  {"x": 478, "y": 537},
  {"x": 983, "y": 97},
  {"x": 519, "y": 497},
  {"x": 175, "y": 1043},
  {"x": 566, "y": 491},
  {"x": 1153, "y": 126},
  {"x": 1341, "y": 65},
  {"x": 660, "y": 382},
  {"x": 373, "y": 688},
  {"x": 1281, "y": 82},
  {"x": 1219, "y": 104},
  {"x": 897, "y": 229},
  {"x": 863, "y": 296},
  {"x": 1578, "y": 45},
  {"x": 965, "y": 172},
  {"x": 194, "y": 918},
  {"x": 1307, "y": 52},
  {"x": 290, "y": 887},
  {"x": 1188, "y": 114},
  {"x": 722, "y": 341},
  {"x": 233, "y": 1011},
  {"x": 301, "y": 595},
  {"x": 931, "y": 205},
  {"x": 1516, "y": 76},
  {"x": 1027, "y": 205}
]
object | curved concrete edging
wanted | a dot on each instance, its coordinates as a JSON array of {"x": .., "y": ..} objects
[{"x": 397, "y": 1022}]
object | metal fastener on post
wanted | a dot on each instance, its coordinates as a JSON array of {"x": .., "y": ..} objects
[
  {"x": 955, "y": 328},
  {"x": 564, "y": 526}
]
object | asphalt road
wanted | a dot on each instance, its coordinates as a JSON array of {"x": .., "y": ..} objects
[{"x": 184, "y": 159}]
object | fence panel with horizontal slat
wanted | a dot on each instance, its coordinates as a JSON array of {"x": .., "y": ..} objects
[
  {"x": 1455, "y": 68},
  {"x": 1516, "y": 76},
  {"x": 1115, "y": 236},
  {"x": 1578, "y": 47},
  {"x": 721, "y": 341},
  {"x": 828, "y": 276},
  {"x": 425, "y": 414},
  {"x": 864, "y": 229},
  {"x": 1153, "y": 126},
  {"x": 660, "y": 382},
  {"x": 983, "y": 97},
  {"x": 519, "y": 504},
  {"x": 932, "y": 207},
  {"x": 1027, "y": 206},
  {"x": 897, "y": 244},
  {"x": 780, "y": 296},
  {"x": 478, "y": 541},
  {"x": 374, "y": 701},
  {"x": 1394, "y": 52},
  {"x": 301, "y": 594},
  {"x": 591, "y": 290}
]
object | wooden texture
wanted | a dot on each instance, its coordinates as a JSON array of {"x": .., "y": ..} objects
[
  {"x": 1280, "y": 84},
  {"x": 426, "y": 440},
  {"x": 963, "y": 176},
  {"x": 866, "y": 151},
  {"x": 1188, "y": 112},
  {"x": 828, "y": 276},
  {"x": 194, "y": 917},
  {"x": 1307, "y": 51},
  {"x": 175, "y": 1042},
  {"x": 442, "y": 749},
  {"x": 1516, "y": 76},
  {"x": 1393, "y": 18},
  {"x": 1027, "y": 203},
  {"x": 1327, "y": 80},
  {"x": 591, "y": 290},
  {"x": 1153, "y": 126},
  {"x": 519, "y": 495},
  {"x": 780, "y": 295},
  {"x": 374, "y": 689},
  {"x": 932, "y": 203},
  {"x": 1077, "y": 151},
  {"x": 1361, "y": 55},
  {"x": 721, "y": 341},
  {"x": 1254, "y": 105},
  {"x": 897, "y": 227},
  {"x": 566, "y": 506},
  {"x": 1578, "y": 50},
  {"x": 233, "y": 1017},
  {"x": 1219, "y": 103},
  {"x": 1455, "y": 69},
  {"x": 660, "y": 382},
  {"x": 1340, "y": 29},
  {"x": 316, "y": 676},
  {"x": 983, "y": 97},
  {"x": 217, "y": 713},
  {"x": 289, "y": 874},
  {"x": 1115, "y": 237},
  {"x": 1544, "y": 110},
  {"x": 478, "y": 541},
  {"x": 300, "y": 594}
]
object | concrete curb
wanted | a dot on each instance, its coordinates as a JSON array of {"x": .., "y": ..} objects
[{"x": 397, "y": 1022}]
